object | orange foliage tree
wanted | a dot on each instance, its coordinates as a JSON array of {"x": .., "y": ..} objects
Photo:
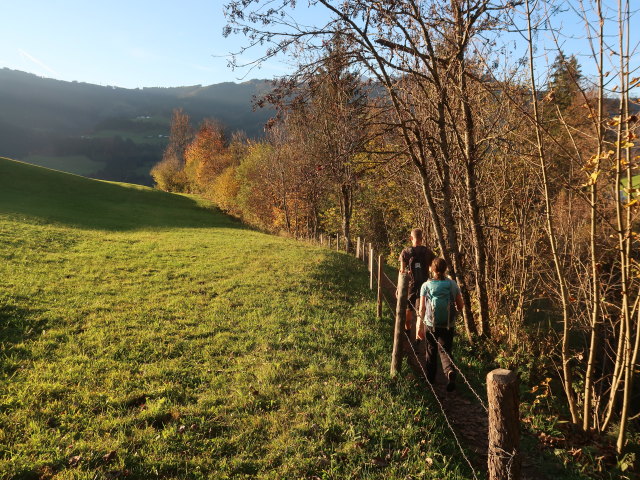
[{"x": 207, "y": 156}]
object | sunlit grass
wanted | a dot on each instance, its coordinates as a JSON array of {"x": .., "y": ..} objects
[{"x": 145, "y": 335}]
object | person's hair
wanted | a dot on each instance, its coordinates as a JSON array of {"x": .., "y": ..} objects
[
  {"x": 416, "y": 233},
  {"x": 439, "y": 265}
]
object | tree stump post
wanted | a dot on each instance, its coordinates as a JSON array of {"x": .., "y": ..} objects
[
  {"x": 380, "y": 267},
  {"x": 358, "y": 248},
  {"x": 401, "y": 307},
  {"x": 504, "y": 460}
]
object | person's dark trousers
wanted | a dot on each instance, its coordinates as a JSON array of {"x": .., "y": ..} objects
[{"x": 439, "y": 341}]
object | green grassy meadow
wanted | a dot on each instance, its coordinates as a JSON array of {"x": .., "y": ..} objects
[{"x": 146, "y": 335}]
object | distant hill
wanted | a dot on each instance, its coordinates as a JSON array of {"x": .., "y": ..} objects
[{"x": 109, "y": 132}]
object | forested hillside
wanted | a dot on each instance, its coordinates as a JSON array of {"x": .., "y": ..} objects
[{"x": 108, "y": 132}]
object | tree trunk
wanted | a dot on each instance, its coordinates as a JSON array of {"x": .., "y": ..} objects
[
  {"x": 551, "y": 234},
  {"x": 595, "y": 283},
  {"x": 477, "y": 234},
  {"x": 347, "y": 210},
  {"x": 452, "y": 254}
]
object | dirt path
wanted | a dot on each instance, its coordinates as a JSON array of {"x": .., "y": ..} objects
[{"x": 468, "y": 417}]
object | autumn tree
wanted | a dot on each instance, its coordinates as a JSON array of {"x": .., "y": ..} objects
[
  {"x": 206, "y": 156},
  {"x": 333, "y": 120},
  {"x": 169, "y": 174}
]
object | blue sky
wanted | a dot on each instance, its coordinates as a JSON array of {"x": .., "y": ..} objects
[
  {"x": 142, "y": 43},
  {"x": 127, "y": 43}
]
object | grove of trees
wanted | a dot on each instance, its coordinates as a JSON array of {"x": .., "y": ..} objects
[{"x": 521, "y": 168}]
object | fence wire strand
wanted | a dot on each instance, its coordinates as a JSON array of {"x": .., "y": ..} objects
[
  {"x": 424, "y": 373},
  {"x": 435, "y": 395},
  {"x": 500, "y": 453},
  {"x": 464, "y": 378}
]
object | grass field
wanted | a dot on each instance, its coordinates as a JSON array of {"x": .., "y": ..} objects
[{"x": 146, "y": 335}]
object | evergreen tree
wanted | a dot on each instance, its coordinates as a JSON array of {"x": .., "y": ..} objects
[{"x": 565, "y": 81}]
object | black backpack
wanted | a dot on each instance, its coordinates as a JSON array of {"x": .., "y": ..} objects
[{"x": 418, "y": 268}]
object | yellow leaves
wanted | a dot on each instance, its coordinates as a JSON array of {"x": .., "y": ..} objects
[
  {"x": 594, "y": 162},
  {"x": 592, "y": 167},
  {"x": 617, "y": 120},
  {"x": 625, "y": 144},
  {"x": 593, "y": 178},
  {"x": 550, "y": 97},
  {"x": 544, "y": 389},
  {"x": 634, "y": 82}
]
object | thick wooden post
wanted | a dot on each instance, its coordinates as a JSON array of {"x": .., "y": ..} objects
[
  {"x": 321, "y": 240},
  {"x": 370, "y": 268},
  {"x": 358, "y": 248},
  {"x": 504, "y": 425},
  {"x": 380, "y": 267},
  {"x": 401, "y": 308},
  {"x": 370, "y": 255}
]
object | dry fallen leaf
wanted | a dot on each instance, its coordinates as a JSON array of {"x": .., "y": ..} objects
[
  {"x": 109, "y": 456},
  {"x": 380, "y": 462}
]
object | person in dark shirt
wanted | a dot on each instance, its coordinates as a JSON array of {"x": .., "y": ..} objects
[{"x": 415, "y": 262}]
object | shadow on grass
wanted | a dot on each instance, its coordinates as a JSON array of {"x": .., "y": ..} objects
[
  {"x": 52, "y": 196},
  {"x": 16, "y": 326}
]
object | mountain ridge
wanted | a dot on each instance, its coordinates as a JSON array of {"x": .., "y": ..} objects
[{"x": 55, "y": 119}]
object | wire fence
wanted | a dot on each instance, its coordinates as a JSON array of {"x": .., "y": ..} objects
[
  {"x": 429, "y": 384},
  {"x": 460, "y": 372},
  {"x": 388, "y": 295}
]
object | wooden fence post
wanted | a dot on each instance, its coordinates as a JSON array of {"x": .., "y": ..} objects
[
  {"x": 401, "y": 315},
  {"x": 337, "y": 242},
  {"x": 370, "y": 254},
  {"x": 370, "y": 268},
  {"x": 380, "y": 267},
  {"x": 504, "y": 425},
  {"x": 358, "y": 248}
]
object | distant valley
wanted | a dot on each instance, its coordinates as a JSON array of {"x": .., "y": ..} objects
[{"x": 108, "y": 132}]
